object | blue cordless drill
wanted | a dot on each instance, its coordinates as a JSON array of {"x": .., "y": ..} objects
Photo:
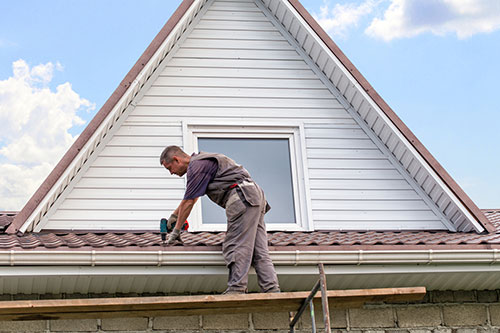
[{"x": 164, "y": 228}]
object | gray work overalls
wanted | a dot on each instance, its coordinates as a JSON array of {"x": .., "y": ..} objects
[{"x": 245, "y": 244}]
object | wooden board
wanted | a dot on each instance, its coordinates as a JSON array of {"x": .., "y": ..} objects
[{"x": 194, "y": 305}]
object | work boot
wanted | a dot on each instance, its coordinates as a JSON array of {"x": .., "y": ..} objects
[
  {"x": 230, "y": 291},
  {"x": 273, "y": 290}
]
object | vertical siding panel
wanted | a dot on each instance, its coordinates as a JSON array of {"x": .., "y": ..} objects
[
  {"x": 364, "y": 110},
  {"x": 350, "y": 93},
  {"x": 343, "y": 84},
  {"x": 336, "y": 76},
  {"x": 273, "y": 5},
  {"x": 385, "y": 135},
  {"x": 301, "y": 36},
  {"x": 288, "y": 20},
  {"x": 315, "y": 53},
  {"x": 392, "y": 143},
  {"x": 308, "y": 43},
  {"x": 357, "y": 100},
  {"x": 371, "y": 119},
  {"x": 329, "y": 68},
  {"x": 280, "y": 12},
  {"x": 295, "y": 28},
  {"x": 378, "y": 127},
  {"x": 322, "y": 61},
  {"x": 399, "y": 151}
]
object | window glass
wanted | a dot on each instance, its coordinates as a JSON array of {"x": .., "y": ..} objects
[{"x": 268, "y": 162}]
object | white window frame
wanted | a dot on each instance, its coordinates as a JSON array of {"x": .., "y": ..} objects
[{"x": 193, "y": 130}]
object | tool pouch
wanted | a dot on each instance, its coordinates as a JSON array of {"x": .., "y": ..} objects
[{"x": 251, "y": 192}]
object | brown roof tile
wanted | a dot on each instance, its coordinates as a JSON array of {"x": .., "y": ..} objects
[
  {"x": 494, "y": 216},
  {"x": 6, "y": 218},
  {"x": 61, "y": 240}
]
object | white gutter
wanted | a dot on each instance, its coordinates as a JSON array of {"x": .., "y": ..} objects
[{"x": 294, "y": 258}]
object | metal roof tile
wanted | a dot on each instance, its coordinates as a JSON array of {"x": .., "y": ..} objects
[{"x": 125, "y": 239}]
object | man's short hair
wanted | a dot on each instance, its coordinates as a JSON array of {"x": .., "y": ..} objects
[{"x": 171, "y": 151}]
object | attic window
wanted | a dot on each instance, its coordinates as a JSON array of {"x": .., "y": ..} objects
[
  {"x": 273, "y": 157},
  {"x": 268, "y": 161}
]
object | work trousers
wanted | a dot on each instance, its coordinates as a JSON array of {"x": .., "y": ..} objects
[{"x": 245, "y": 244}]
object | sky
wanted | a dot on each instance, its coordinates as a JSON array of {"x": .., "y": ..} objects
[{"x": 435, "y": 62}]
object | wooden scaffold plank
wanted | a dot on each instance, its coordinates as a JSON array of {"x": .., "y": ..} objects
[{"x": 194, "y": 305}]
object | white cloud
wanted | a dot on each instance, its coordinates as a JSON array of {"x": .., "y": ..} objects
[
  {"x": 342, "y": 17},
  {"x": 409, "y": 18},
  {"x": 35, "y": 129}
]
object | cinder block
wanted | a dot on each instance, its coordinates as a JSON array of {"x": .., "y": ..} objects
[
  {"x": 487, "y": 296},
  {"x": 465, "y": 330},
  {"x": 419, "y": 316},
  {"x": 23, "y": 326},
  {"x": 100, "y": 295},
  {"x": 25, "y": 297},
  {"x": 176, "y": 322},
  {"x": 271, "y": 320},
  {"x": 74, "y": 325},
  {"x": 419, "y": 331},
  {"x": 464, "y": 315},
  {"x": 495, "y": 314},
  {"x": 487, "y": 330},
  {"x": 127, "y": 295},
  {"x": 425, "y": 299},
  {"x": 373, "y": 318},
  {"x": 51, "y": 296},
  {"x": 124, "y": 324},
  {"x": 464, "y": 296},
  {"x": 76, "y": 296},
  {"x": 442, "y": 330},
  {"x": 337, "y": 318},
  {"x": 442, "y": 296},
  {"x": 225, "y": 321}
]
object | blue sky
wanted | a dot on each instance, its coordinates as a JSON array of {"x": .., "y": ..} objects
[{"x": 435, "y": 62}]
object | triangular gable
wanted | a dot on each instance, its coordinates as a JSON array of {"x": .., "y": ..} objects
[
  {"x": 451, "y": 199},
  {"x": 347, "y": 83}
]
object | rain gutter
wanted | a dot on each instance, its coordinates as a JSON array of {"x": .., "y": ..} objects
[{"x": 285, "y": 258}]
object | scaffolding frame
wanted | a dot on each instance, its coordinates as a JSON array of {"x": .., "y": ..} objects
[{"x": 320, "y": 284}]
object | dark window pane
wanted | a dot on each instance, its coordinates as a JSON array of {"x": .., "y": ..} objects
[{"x": 268, "y": 161}]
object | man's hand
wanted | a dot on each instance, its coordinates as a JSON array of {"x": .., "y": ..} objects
[
  {"x": 174, "y": 236},
  {"x": 172, "y": 220}
]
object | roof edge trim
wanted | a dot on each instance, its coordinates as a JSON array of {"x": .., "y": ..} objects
[
  {"x": 101, "y": 115},
  {"x": 407, "y": 133}
]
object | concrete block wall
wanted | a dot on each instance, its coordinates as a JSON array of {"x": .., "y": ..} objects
[{"x": 439, "y": 312}]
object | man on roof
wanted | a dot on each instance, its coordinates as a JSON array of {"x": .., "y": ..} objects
[{"x": 230, "y": 186}]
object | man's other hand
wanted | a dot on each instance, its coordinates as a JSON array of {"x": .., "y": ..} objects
[{"x": 175, "y": 235}]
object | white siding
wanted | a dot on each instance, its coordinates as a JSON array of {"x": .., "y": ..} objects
[{"x": 236, "y": 65}]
